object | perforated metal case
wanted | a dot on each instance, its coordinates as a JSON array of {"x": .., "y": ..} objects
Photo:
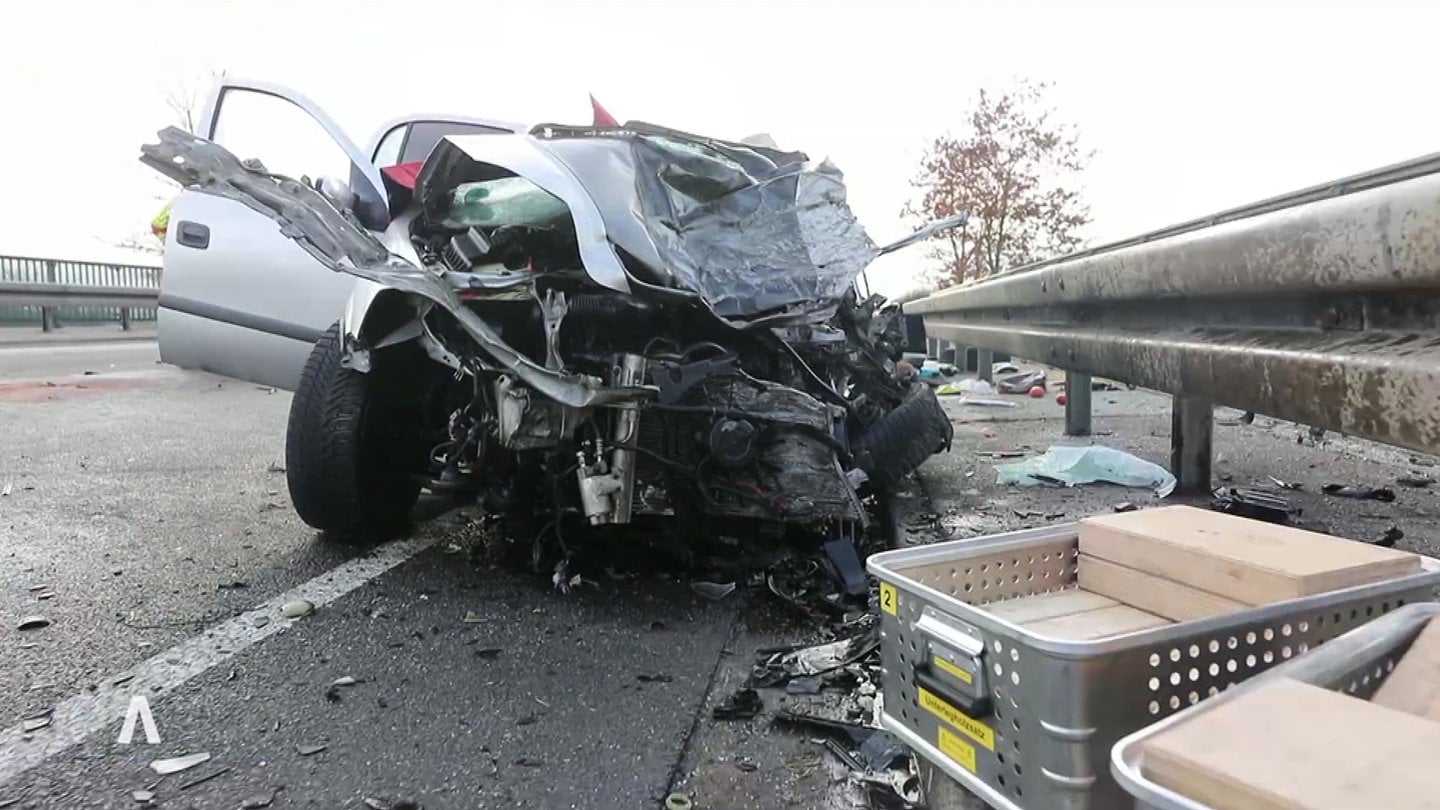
[
  {"x": 1027, "y": 722},
  {"x": 1356, "y": 663}
]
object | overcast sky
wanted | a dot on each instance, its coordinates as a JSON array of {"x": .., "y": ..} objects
[{"x": 1191, "y": 108}]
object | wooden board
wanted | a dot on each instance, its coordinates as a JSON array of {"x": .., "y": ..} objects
[
  {"x": 1414, "y": 686},
  {"x": 1047, "y": 605},
  {"x": 1096, "y": 624},
  {"x": 1163, "y": 597},
  {"x": 1245, "y": 560},
  {"x": 1292, "y": 746}
]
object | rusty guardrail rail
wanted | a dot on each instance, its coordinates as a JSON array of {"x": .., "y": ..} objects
[
  {"x": 36, "y": 289},
  {"x": 1320, "y": 307}
]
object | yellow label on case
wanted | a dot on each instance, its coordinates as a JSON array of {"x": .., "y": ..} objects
[
  {"x": 975, "y": 730},
  {"x": 954, "y": 670},
  {"x": 957, "y": 749},
  {"x": 889, "y": 598}
]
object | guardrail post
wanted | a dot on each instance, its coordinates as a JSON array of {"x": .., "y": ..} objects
[
  {"x": 985, "y": 365},
  {"x": 125, "y": 318},
  {"x": 1077, "y": 404},
  {"x": 47, "y": 314},
  {"x": 1192, "y": 426}
]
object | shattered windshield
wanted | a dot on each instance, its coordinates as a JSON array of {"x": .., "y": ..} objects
[{"x": 751, "y": 230}]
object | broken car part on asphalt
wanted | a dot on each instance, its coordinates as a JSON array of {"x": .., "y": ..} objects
[
  {"x": 583, "y": 328},
  {"x": 1070, "y": 466}
]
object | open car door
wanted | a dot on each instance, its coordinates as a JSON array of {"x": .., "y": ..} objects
[{"x": 237, "y": 297}]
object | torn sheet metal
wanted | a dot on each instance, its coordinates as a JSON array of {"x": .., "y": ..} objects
[
  {"x": 342, "y": 245},
  {"x": 751, "y": 230}
]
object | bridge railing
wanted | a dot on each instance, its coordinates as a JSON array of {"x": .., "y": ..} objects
[{"x": 48, "y": 291}]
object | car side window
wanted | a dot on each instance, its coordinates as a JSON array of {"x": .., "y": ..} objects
[
  {"x": 279, "y": 134},
  {"x": 388, "y": 152},
  {"x": 425, "y": 134}
]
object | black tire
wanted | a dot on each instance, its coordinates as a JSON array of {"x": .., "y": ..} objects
[
  {"x": 347, "y": 460},
  {"x": 900, "y": 442}
]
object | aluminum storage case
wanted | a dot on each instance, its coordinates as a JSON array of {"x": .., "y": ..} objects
[
  {"x": 1028, "y": 722},
  {"x": 1356, "y": 663}
]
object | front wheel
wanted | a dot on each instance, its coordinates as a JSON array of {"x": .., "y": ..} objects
[{"x": 349, "y": 451}]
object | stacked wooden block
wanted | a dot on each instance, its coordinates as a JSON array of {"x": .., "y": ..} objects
[
  {"x": 1283, "y": 746},
  {"x": 1140, "y": 570},
  {"x": 1293, "y": 746}
]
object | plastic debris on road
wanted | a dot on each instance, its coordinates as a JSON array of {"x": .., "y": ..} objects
[
  {"x": 966, "y": 386},
  {"x": 1071, "y": 466},
  {"x": 178, "y": 764},
  {"x": 985, "y": 402},
  {"x": 1022, "y": 383}
]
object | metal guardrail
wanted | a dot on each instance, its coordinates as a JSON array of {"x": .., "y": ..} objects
[
  {"x": 1320, "y": 307},
  {"x": 43, "y": 291}
]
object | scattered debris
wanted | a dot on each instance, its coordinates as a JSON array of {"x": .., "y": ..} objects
[
  {"x": 297, "y": 608},
  {"x": 310, "y": 750},
  {"x": 488, "y": 652},
  {"x": 37, "y": 721},
  {"x": 200, "y": 780},
  {"x": 178, "y": 764},
  {"x": 1000, "y": 453},
  {"x": 35, "y": 622},
  {"x": 1384, "y": 494},
  {"x": 332, "y": 692},
  {"x": 678, "y": 801},
  {"x": 258, "y": 800},
  {"x": 746, "y": 764},
  {"x": 1253, "y": 504},
  {"x": 471, "y": 617},
  {"x": 275, "y": 467},
  {"x": 714, "y": 591},
  {"x": 142, "y": 796},
  {"x": 984, "y": 402},
  {"x": 1125, "y": 506},
  {"x": 965, "y": 386},
  {"x": 1415, "y": 481},
  {"x": 1023, "y": 383},
  {"x": 742, "y": 705},
  {"x": 658, "y": 677},
  {"x": 5, "y": 490},
  {"x": 1069, "y": 466},
  {"x": 1392, "y": 535},
  {"x": 1285, "y": 484},
  {"x": 530, "y": 762}
]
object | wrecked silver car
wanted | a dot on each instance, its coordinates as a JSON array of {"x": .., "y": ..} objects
[{"x": 590, "y": 327}]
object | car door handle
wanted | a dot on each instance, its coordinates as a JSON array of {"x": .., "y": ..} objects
[{"x": 193, "y": 235}]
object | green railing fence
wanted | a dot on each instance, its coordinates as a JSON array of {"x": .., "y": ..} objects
[{"x": 30, "y": 270}]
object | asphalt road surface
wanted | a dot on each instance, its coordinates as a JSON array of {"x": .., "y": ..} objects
[{"x": 147, "y": 521}]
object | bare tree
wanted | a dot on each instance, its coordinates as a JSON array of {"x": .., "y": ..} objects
[
  {"x": 1011, "y": 172},
  {"x": 186, "y": 99}
]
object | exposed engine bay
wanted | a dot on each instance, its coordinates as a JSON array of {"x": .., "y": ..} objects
[{"x": 596, "y": 325}]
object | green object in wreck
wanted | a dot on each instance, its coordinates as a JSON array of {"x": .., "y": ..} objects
[{"x": 507, "y": 201}]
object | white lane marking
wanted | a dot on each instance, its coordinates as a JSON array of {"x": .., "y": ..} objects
[{"x": 81, "y": 715}]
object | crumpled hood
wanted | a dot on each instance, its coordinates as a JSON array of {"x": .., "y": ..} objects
[{"x": 749, "y": 229}]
